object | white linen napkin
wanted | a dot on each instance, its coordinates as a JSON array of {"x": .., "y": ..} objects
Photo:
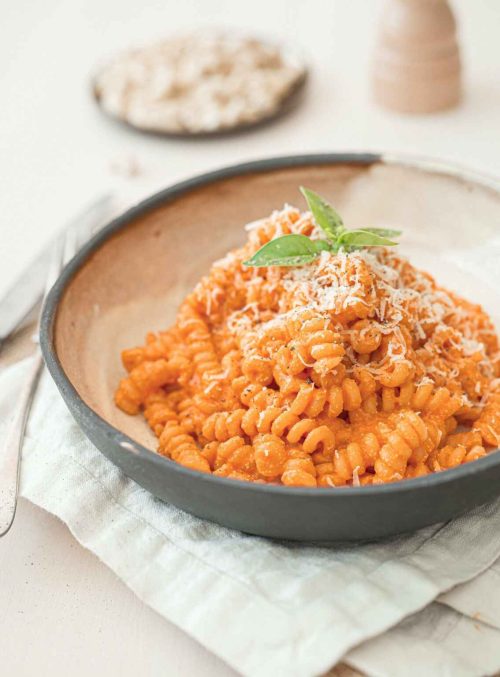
[{"x": 272, "y": 608}]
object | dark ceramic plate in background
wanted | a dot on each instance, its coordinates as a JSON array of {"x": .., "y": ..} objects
[{"x": 131, "y": 277}]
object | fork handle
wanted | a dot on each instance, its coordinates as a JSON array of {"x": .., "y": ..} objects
[{"x": 10, "y": 452}]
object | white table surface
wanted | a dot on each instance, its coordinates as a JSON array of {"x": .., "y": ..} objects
[{"x": 61, "y": 610}]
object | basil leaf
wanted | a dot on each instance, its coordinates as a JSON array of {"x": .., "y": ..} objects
[
  {"x": 364, "y": 238},
  {"x": 288, "y": 250},
  {"x": 324, "y": 214},
  {"x": 384, "y": 232}
]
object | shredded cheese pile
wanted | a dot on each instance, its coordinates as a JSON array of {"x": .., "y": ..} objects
[{"x": 424, "y": 325}]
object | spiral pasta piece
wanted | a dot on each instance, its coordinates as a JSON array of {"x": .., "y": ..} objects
[
  {"x": 270, "y": 455},
  {"x": 181, "y": 447},
  {"x": 488, "y": 422},
  {"x": 299, "y": 472},
  {"x": 222, "y": 425},
  {"x": 157, "y": 346},
  {"x": 440, "y": 403},
  {"x": 142, "y": 380},
  {"x": 235, "y": 454},
  {"x": 158, "y": 411},
  {"x": 309, "y": 401},
  {"x": 410, "y": 433}
]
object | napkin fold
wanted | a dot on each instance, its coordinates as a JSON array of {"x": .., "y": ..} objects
[{"x": 267, "y": 607}]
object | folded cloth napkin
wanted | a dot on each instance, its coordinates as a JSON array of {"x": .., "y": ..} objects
[{"x": 268, "y": 607}]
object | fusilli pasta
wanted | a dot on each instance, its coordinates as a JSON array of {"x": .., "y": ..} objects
[{"x": 355, "y": 369}]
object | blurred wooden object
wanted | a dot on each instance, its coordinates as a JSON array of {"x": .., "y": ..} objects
[{"x": 417, "y": 65}]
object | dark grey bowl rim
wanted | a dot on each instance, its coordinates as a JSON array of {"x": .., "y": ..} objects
[{"x": 127, "y": 444}]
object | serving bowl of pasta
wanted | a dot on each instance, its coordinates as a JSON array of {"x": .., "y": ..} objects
[{"x": 249, "y": 355}]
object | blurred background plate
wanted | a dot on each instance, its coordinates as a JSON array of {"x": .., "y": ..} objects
[{"x": 222, "y": 81}]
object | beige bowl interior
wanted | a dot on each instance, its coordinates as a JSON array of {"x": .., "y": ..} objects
[{"x": 135, "y": 281}]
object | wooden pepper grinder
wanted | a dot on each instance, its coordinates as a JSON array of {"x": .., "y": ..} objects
[{"x": 417, "y": 61}]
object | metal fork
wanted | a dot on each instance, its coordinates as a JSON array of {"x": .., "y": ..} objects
[{"x": 10, "y": 453}]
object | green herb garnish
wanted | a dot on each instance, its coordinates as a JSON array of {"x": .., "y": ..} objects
[{"x": 298, "y": 250}]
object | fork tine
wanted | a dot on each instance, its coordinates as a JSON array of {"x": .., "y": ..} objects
[
  {"x": 70, "y": 246},
  {"x": 89, "y": 225},
  {"x": 74, "y": 238},
  {"x": 56, "y": 264}
]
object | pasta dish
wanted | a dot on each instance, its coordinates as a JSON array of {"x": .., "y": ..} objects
[{"x": 337, "y": 364}]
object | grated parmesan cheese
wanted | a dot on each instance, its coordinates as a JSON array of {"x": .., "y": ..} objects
[{"x": 420, "y": 324}]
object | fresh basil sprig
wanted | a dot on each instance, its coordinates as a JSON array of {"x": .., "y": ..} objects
[
  {"x": 384, "y": 232},
  {"x": 289, "y": 250},
  {"x": 353, "y": 239},
  {"x": 324, "y": 214},
  {"x": 298, "y": 250}
]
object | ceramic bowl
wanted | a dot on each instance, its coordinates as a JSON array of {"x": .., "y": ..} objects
[{"x": 132, "y": 275}]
